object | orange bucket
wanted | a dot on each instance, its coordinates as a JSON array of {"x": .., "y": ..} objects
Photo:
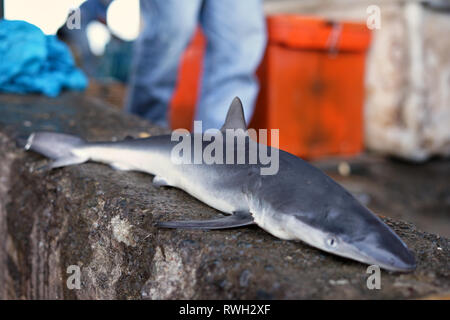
[
  {"x": 184, "y": 99},
  {"x": 311, "y": 85}
]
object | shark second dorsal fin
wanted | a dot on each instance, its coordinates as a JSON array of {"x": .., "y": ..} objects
[{"x": 235, "y": 116}]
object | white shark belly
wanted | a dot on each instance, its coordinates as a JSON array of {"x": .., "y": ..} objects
[
  {"x": 207, "y": 189},
  {"x": 201, "y": 186}
]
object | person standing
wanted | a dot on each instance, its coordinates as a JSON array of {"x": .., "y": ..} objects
[
  {"x": 236, "y": 39},
  {"x": 90, "y": 10}
]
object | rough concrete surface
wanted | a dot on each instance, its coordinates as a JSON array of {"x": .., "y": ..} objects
[{"x": 101, "y": 220}]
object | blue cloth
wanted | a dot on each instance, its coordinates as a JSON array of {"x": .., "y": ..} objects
[
  {"x": 236, "y": 38},
  {"x": 31, "y": 62}
]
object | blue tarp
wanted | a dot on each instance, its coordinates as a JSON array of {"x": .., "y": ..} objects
[{"x": 30, "y": 61}]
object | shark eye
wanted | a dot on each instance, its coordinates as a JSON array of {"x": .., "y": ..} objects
[{"x": 332, "y": 242}]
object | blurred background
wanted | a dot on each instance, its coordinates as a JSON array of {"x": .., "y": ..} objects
[{"x": 360, "y": 88}]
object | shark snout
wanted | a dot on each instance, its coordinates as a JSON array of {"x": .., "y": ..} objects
[
  {"x": 362, "y": 237},
  {"x": 394, "y": 260},
  {"x": 387, "y": 250}
]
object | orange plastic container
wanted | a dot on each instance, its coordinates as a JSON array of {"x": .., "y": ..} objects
[
  {"x": 311, "y": 85},
  {"x": 184, "y": 100}
]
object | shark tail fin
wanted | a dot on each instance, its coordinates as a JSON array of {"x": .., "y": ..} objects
[{"x": 56, "y": 146}]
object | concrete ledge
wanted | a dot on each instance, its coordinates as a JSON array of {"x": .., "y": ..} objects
[{"x": 101, "y": 220}]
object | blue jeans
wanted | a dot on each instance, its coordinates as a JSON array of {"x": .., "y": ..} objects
[{"x": 236, "y": 39}]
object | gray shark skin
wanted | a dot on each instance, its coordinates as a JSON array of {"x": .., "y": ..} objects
[{"x": 299, "y": 202}]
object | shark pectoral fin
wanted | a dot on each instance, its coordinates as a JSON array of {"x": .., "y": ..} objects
[
  {"x": 159, "y": 181},
  {"x": 66, "y": 161},
  {"x": 238, "y": 219}
]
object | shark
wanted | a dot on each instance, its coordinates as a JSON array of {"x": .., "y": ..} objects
[{"x": 298, "y": 202}]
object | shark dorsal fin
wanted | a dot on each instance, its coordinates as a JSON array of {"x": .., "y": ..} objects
[{"x": 235, "y": 116}]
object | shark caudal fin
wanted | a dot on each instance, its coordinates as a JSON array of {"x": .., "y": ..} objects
[
  {"x": 235, "y": 116},
  {"x": 56, "y": 146}
]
